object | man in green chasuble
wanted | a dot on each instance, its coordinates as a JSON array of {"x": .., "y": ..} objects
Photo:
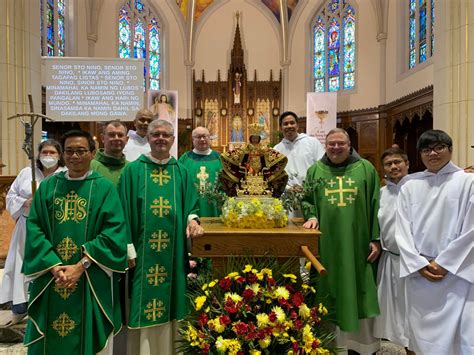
[
  {"x": 160, "y": 204},
  {"x": 344, "y": 203},
  {"x": 204, "y": 165},
  {"x": 76, "y": 243}
]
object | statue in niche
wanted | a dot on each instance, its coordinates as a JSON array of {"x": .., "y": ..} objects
[
  {"x": 237, "y": 133},
  {"x": 236, "y": 89}
]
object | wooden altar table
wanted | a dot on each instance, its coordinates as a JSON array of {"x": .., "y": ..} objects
[{"x": 220, "y": 242}]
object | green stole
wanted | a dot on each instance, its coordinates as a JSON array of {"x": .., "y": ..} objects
[
  {"x": 157, "y": 198},
  {"x": 346, "y": 204},
  {"x": 205, "y": 170},
  {"x": 69, "y": 218}
]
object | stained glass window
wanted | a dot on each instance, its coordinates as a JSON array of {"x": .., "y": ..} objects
[
  {"x": 53, "y": 25},
  {"x": 140, "y": 37},
  {"x": 421, "y": 17},
  {"x": 334, "y": 45}
]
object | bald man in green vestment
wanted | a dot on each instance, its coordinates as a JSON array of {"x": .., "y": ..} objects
[
  {"x": 344, "y": 203},
  {"x": 161, "y": 210},
  {"x": 76, "y": 244}
]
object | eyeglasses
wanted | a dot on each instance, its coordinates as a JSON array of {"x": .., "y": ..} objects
[
  {"x": 161, "y": 134},
  {"x": 79, "y": 152},
  {"x": 440, "y": 148},
  {"x": 204, "y": 136}
]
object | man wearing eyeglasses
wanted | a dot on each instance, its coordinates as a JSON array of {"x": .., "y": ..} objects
[
  {"x": 76, "y": 243},
  {"x": 160, "y": 205},
  {"x": 343, "y": 201},
  {"x": 204, "y": 165},
  {"x": 391, "y": 324},
  {"x": 110, "y": 160},
  {"x": 435, "y": 232}
]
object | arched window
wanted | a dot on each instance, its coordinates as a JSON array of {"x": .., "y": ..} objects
[
  {"x": 53, "y": 24},
  {"x": 421, "y": 18},
  {"x": 334, "y": 46},
  {"x": 140, "y": 37}
]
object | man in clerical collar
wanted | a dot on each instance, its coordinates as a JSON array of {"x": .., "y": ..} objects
[
  {"x": 391, "y": 324},
  {"x": 110, "y": 160},
  {"x": 76, "y": 241},
  {"x": 138, "y": 143},
  {"x": 161, "y": 210},
  {"x": 434, "y": 231},
  {"x": 204, "y": 165},
  {"x": 343, "y": 199},
  {"x": 301, "y": 150}
]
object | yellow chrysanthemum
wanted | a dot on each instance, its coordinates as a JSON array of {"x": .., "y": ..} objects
[
  {"x": 267, "y": 272},
  {"x": 322, "y": 310},
  {"x": 204, "y": 287},
  {"x": 233, "y": 296},
  {"x": 304, "y": 311},
  {"x": 247, "y": 268},
  {"x": 255, "y": 352},
  {"x": 232, "y": 275},
  {"x": 255, "y": 288},
  {"x": 262, "y": 320},
  {"x": 233, "y": 346},
  {"x": 213, "y": 283},
  {"x": 281, "y": 292},
  {"x": 221, "y": 344},
  {"x": 216, "y": 324},
  {"x": 199, "y": 301},
  {"x": 307, "y": 266},
  {"x": 280, "y": 313},
  {"x": 265, "y": 342}
]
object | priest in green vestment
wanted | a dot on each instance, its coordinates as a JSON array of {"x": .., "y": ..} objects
[
  {"x": 344, "y": 202},
  {"x": 110, "y": 160},
  {"x": 204, "y": 165},
  {"x": 75, "y": 246},
  {"x": 160, "y": 205}
]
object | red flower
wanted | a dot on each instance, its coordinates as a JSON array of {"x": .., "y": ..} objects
[
  {"x": 241, "y": 328},
  {"x": 272, "y": 316},
  {"x": 224, "y": 319},
  {"x": 230, "y": 306},
  {"x": 206, "y": 349},
  {"x": 295, "y": 347},
  {"x": 298, "y": 324},
  {"x": 240, "y": 280},
  {"x": 252, "y": 278},
  {"x": 297, "y": 299},
  {"x": 293, "y": 315},
  {"x": 315, "y": 344},
  {"x": 225, "y": 283},
  {"x": 248, "y": 294},
  {"x": 203, "y": 319},
  {"x": 271, "y": 281}
]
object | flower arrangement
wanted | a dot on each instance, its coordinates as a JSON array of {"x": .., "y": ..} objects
[
  {"x": 256, "y": 312},
  {"x": 293, "y": 196},
  {"x": 254, "y": 213}
]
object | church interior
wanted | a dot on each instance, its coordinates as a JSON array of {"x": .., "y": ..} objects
[{"x": 399, "y": 68}]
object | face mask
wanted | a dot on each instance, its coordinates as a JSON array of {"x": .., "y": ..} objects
[{"x": 48, "y": 161}]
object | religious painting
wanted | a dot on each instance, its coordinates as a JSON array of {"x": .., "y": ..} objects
[
  {"x": 237, "y": 130},
  {"x": 274, "y": 7},
  {"x": 211, "y": 120},
  {"x": 164, "y": 105},
  {"x": 183, "y": 7},
  {"x": 263, "y": 118},
  {"x": 321, "y": 112},
  {"x": 201, "y": 6}
]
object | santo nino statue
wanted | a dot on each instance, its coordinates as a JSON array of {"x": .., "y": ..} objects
[{"x": 254, "y": 169}]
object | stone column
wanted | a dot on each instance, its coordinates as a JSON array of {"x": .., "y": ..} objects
[
  {"x": 20, "y": 74},
  {"x": 453, "y": 101}
]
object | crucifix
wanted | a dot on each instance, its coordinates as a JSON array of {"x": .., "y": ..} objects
[{"x": 28, "y": 144}]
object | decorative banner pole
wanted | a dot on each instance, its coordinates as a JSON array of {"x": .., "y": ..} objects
[{"x": 28, "y": 144}]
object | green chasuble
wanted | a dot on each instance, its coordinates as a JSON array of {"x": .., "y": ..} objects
[
  {"x": 69, "y": 218},
  {"x": 346, "y": 202},
  {"x": 108, "y": 166},
  {"x": 204, "y": 169},
  {"x": 157, "y": 199}
]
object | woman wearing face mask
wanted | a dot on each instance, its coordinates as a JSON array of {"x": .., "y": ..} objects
[{"x": 19, "y": 197}]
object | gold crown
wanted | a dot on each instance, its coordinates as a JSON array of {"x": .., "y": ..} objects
[{"x": 256, "y": 129}]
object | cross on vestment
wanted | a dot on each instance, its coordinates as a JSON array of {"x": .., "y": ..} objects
[
  {"x": 64, "y": 292},
  {"x": 162, "y": 177},
  {"x": 160, "y": 206},
  {"x": 340, "y": 191},
  {"x": 157, "y": 275},
  {"x": 159, "y": 240},
  {"x": 202, "y": 176},
  {"x": 64, "y": 324},
  {"x": 67, "y": 248},
  {"x": 154, "y": 309}
]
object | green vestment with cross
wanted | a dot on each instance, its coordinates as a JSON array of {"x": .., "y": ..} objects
[
  {"x": 157, "y": 200},
  {"x": 205, "y": 171},
  {"x": 69, "y": 218},
  {"x": 345, "y": 201}
]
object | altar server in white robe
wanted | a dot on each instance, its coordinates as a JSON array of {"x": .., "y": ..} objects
[
  {"x": 301, "y": 150},
  {"x": 435, "y": 233},
  {"x": 18, "y": 201},
  {"x": 391, "y": 323}
]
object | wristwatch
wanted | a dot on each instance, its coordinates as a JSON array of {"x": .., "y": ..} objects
[{"x": 86, "y": 263}]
